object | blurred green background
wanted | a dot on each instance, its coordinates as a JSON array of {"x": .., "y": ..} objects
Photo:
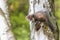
[{"x": 18, "y": 10}]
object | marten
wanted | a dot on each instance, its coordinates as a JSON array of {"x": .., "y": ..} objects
[{"x": 37, "y": 17}]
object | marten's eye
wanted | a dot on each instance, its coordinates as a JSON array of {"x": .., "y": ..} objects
[
  {"x": 36, "y": 20},
  {"x": 42, "y": 20}
]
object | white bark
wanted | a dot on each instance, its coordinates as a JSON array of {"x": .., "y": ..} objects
[
  {"x": 35, "y": 6},
  {"x": 5, "y": 31},
  {"x": 42, "y": 6}
]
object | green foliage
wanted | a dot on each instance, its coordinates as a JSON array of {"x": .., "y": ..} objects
[
  {"x": 18, "y": 10},
  {"x": 20, "y": 27},
  {"x": 57, "y": 12}
]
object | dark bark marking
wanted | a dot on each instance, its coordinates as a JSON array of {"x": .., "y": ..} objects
[
  {"x": 38, "y": 1},
  {"x": 31, "y": 1},
  {"x": 50, "y": 14}
]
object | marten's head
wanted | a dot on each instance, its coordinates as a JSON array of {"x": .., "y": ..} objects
[{"x": 38, "y": 18}]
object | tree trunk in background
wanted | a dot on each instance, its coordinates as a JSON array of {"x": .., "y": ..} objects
[
  {"x": 46, "y": 9},
  {"x": 5, "y": 31}
]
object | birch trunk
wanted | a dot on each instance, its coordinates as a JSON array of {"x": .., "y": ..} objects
[
  {"x": 40, "y": 7},
  {"x": 5, "y": 31}
]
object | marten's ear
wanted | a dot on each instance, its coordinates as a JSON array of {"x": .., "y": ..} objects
[{"x": 29, "y": 17}]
